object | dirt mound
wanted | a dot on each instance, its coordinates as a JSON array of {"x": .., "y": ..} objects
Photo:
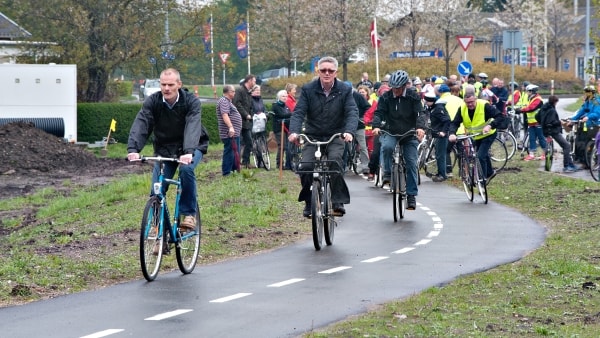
[
  {"x": 24, "y": 148},
  {"x": 32, "y": 158}
]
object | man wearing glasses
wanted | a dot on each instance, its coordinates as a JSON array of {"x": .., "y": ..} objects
[
  {"x": 401, "y": 109},
  {"x": 479, "y": 116},
  {"x": 325, "y": 107}
]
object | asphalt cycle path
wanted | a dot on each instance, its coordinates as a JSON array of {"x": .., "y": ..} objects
[{"x": 295, "y": 289}]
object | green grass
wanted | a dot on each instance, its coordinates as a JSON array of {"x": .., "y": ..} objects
[{"x": 553, "y": 291}]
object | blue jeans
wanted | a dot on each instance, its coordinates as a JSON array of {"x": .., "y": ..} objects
[
  {"x": 535, "y": 132},
  {"x": 228, "y": 162},
  {"x": 409, "y": 148},
  {"x": 189, "y": 196}
]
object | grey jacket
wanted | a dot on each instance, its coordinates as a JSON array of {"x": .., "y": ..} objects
[{"x": 177, "y": 130}]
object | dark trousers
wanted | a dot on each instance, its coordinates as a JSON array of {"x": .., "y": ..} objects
[{"x": 246, "y": 140}]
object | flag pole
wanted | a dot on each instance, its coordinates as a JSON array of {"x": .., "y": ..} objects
[
  {"x": 248, "y": 38},
  {"x": 212, "y": 58},
  {"x": 376, "y": 40}
]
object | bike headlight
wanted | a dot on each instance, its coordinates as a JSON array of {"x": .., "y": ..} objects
[{"x": 157, "y": 186}]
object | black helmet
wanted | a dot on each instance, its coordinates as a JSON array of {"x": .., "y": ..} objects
[
  {"x": 526, "y": 83},
  {"x": 513, "y": 85},
  {"x": 398, "y": 79}
]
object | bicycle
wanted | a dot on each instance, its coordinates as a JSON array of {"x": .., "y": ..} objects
[
  {"x": 260, "y": 149},
  {"x": 515, "y": 125},
  {"x": 509, "y": 140},
  {"x": 323, "y": 219},
  {"x": 498, "y": 154},
  {"x": 398, "y": 175},
  {"x": 593, "y": 159},
  {"x": 469, "y": 169},
  {"x": 159, "y": 231}
]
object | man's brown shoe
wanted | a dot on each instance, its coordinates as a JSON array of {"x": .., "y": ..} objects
[{"x": 188, "y": 223}]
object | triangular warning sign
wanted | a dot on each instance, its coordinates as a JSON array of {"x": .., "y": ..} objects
[{"x": 464, "y": 41}]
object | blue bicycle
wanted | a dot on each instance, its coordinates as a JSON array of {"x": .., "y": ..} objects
[{"x": 159, "y": 231}]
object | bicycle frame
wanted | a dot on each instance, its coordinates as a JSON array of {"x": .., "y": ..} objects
[
  {"x": 398, "y": 175},
  {"x": 470, "y": 168}
]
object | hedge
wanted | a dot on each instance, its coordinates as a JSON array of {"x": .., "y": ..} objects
[{"x": 93, "y": 120}]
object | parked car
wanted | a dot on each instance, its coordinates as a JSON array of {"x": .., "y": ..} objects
[
  {"x": 149, "y": 87},
  {"x": 265, "y": 76}
]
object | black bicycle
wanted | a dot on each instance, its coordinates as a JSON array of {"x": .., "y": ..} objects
[
  {"x": 398, "y": 175},
  {"x": 323, "y": 218},
  {"x": 469, "y": 167}
]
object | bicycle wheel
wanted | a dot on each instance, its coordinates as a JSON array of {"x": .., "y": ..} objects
[
  {"x": 254, "y": 152},
  {"x": 430, "y": 165},
  {"x": 356, "y": 159},
  {"x": 510, "y": 142},
  {"x": 317, "y": 215},
  {"x": 549, "y": 154},
  {"x": 395, "y": 188},
  {"x": 151, "y": 237},
  {"x": 498, "y": 154},
  {"x": 402, "y": 195},
  {"x": 328, "y": 219},
  {"x": 588, "y": 151},
  {"x": 594, "y": 166},
  {"x": 295, "y": 154},
  {"x": 263, "y": 150},
  {"x": 480, "y": 180},
  {"x": 188, "y": 246},
  {"x": 467, "y": 177}
]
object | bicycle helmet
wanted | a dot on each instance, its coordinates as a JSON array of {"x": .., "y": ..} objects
[
  {"x": 525, "y": 84},
  {"x": 482, "y": 75},
  {"x": 589, "y": 89},
  {"x": 514, "y": 85},
  {"x": 398, "y": 79},
  {"x": 532, "y": 88}
]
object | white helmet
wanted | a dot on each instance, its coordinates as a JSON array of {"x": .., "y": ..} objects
[
  {"x": 532, "y": 88},
  {"x": 482, "y": 75}
]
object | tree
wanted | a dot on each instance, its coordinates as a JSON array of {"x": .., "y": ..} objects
[
  {"x": 102, "y": 35},
  {"x": 562, "y": 31}
]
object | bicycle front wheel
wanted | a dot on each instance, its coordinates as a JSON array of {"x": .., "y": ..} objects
[
  {"x": 510, "y": 142},
  {"x": 430, "y": 164},
  {"x": 480, "y": 181},
  {"x": 328, "y": 220},
  {"x": 317, "y": 215},
  {"x": 594, "y": 166},
  {"x": 395, "y": 187},
  {"x": 467, "y": 177},
  {"x": 151, "y": 239},
  {"x": 402, "y": 194},
  {"x": 263, "y": 150},
  {"x": 188, "y": 246}
]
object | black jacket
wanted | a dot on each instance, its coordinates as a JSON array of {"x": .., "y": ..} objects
[
  {"x": 548, "y": 119},
  {"x": 440, "y": 119},
  {"x": 176, "y": 130},
  {"x": 400, "y": 113},
  {"x": 281, "y": 113},
  {"x": 325, "y": 115},
  {"x": 363, "y": 105},
  {"x": 243, "y": 102}
]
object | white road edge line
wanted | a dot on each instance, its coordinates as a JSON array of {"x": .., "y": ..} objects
[
  {"x": 103, "y": 333},
  {"x": 232, "y": 297},
  {"x": 285, "y": 282},
  {"x": 403, "y": 250},
  {"x": 339, "y": 268},
  {"x": 423, "y": 242},
  {"x": 374, "y": 259},
  {"x": 169, "y": 314}
]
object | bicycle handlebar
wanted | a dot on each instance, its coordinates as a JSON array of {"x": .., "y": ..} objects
[
  {"x": 144, "y": 159},
  {"x": 411, "y": 132},
  {"x": 318, "y": 143},
  {"x": 466, "y": 136}
]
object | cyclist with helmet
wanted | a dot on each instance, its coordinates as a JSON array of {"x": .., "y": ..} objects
[
  {"x": 589, "y": 112},
  {"x": 401, "y": 109},
  {"x": 533, "y": 127},
  {"x": 514, "y": 96}
]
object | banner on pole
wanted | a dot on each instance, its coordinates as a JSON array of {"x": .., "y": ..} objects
[{"x": 241, "y": 40}]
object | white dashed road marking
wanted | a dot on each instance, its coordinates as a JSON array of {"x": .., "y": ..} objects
[
  {"x": 375, "y": 259},
  {"x": 334, "y": 270},
  {"x": 170, "y": 314},
  {"x": 232, "y": 297},
  {"x": 103, "y": 333},
  {"x": 285, "y": 282}
]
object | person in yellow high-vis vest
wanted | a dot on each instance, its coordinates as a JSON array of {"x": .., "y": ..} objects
[
  {"x": 533, "y": 127},
  {"x": 479, "y": 116}
]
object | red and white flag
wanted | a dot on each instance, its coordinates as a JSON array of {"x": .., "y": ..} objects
[{"x": 375, "y": 40}]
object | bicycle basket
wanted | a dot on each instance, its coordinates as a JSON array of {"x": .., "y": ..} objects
[{"x": 259, "y": 123}]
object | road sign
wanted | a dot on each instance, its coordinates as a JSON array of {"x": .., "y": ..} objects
[
  {"x": 224, "y": 56},
  {"x": 464, "y": 41},
  {"x": 464, "y": 68}
]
